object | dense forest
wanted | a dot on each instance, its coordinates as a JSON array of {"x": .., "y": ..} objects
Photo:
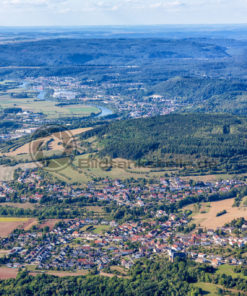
[
  {"x": 206, "y": 94},
  {"x": 147, "y": 277},
  {"x": 211, "y": 138},
  {"x": 57, "y": 52}
]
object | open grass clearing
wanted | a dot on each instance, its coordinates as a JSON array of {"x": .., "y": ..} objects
[
  {"x": 55, "y": 145},
  {"x": 48, "y": 108},
  {"x": 98, "y": 229},
  {"x": 229, "y": 270},
  {"x": 13, "y": 219},
  {"x": 77, "y": 273},
  {"x": 9, "y": 224},
  {"x": 7, "y": 172},
  {"x": 68, "y": 273},
  {"x": 119, "y": 269},
  {"x": 85, "y": 169},
  {"x": 212, "y": 289},
  {"x": 8, "y": 273},
  {"x": 50, "y": 223},
  {"x": 198, "y": 208},
  {"x": 244, "y": 202},
  {"x": 208, "y": 178},
  {"x": 95, "y": 209},
  {"x": 208, "y": 288},
  {"x": 26, "y": 205},
  {"x": 209, "y": 219}
]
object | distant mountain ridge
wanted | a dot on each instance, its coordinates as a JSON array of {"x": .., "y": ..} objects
[{"x": 58, "y": 52}]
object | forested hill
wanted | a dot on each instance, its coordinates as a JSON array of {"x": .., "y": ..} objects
[
  {"x": 222, "y": 137},
  {"x": 57, "y": 52}
]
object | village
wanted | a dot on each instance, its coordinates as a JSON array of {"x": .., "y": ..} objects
[
  {"x": 68, "y": 247},
  {"x": 134, "y": 193},
  {"x": 70, "y": 90},
  {"x": 148, "y": 217},
  {"x": 96, "y": 241},
  {"x": 24, "y": 123},
  {"x": 73, "y": 90}
]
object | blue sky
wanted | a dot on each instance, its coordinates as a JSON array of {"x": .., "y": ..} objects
[{"x": 120, "y": 12}]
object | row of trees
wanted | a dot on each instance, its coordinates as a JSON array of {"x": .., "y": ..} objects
[{"x": 156, "y": 277}]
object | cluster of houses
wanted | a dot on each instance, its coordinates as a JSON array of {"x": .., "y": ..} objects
[
  {"x": 129, "y": 193},
  {"x": 71, "y": 88},
  {"x": 27, "y": 120},
  {"x": 99, "y": 242},
  {"x": 84, "y": 244},
  {"x": 167, "y": 190}
]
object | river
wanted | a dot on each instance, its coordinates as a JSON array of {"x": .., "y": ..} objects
[{"x": 104, "y": 111}]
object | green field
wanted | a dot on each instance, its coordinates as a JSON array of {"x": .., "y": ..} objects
[
  {"x": 98, "y": 229},
  {"x": 229, "y": 270},
  {"x": 208, "y": 289},
  {"x": 198, "y": 208},
  {"x": 101, "y": 229},
  {"x": 78, "y": 173},
  {"x": 46, "y": 107}
]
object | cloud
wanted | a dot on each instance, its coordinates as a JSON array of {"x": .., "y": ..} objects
[
  {"x": 121, "y": 11},
  {"x": 167, "y": 4},
  {"x": 23, "y": 2},
  {"x": 110, "y": 5},
  {"x": 114, "y": 5},
  {"x": 31, "y": 4}
]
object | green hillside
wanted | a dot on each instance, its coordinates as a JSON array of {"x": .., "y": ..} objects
[{"x": 218, "y": 138}]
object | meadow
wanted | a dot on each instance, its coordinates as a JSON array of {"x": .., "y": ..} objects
[
  {"x": 9, "y": 224},
  {"x": 206, "y": 216},
  {"x": 48, "y": 108},
  {"x": 82, "y": 172},
  {"x": 7, "y": 172},
  {"x": 229, "y": 270},
  {"x": 55, "y": 145}
]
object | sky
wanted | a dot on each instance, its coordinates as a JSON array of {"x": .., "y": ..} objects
[{"x": 121, "y": 12}]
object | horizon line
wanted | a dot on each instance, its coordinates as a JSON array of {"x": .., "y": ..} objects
[{"x": 125, "y": 25}]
